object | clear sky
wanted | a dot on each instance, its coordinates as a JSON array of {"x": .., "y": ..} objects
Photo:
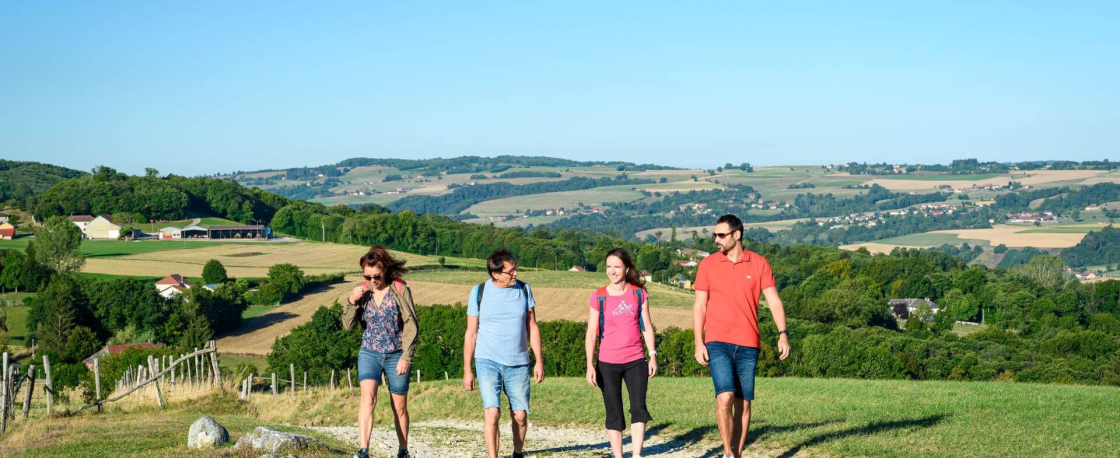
[{"x": 194, "y": 87}]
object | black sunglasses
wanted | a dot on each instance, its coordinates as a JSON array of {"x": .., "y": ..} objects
[
  {"x": 720, "y": 236},
  {"x": 377, "y": 277}
]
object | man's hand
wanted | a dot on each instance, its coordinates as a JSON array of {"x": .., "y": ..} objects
[
  {"x": 468, "y": 380},
  {"x": 702, "y": 355},
  {"x": 591, "y": 376},
  {"x": 357, "y": 293},
  {"x": 403, "y": 366},
  {"x": 538, "y": 372},
  {"x": 783, "y": 346}
]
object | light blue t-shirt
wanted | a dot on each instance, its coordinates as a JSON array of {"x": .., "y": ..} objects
[{"x": 501, "y": 326}]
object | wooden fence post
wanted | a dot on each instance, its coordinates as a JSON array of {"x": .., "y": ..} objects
[
  {"x": 47, "y": 385},
  {"x": 97, "y": 381},
  {"x": 30, "y": 391},
  {"x": 292, "y": 369},
  {"x": 332, "y": 379},
  {"x": 155, "y": 381},
  {"x": 274, "y": 384},
  {"x": 5, "y": 394},
  {"x": 304, "y": 382},
  {"x": 348, "y": 381}
]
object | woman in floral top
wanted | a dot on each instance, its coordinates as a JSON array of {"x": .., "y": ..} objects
[{"x": 383, "y": 305}]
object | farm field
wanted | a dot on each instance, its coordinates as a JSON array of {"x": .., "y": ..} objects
[
  {"x": 99, "y": 248},
  {"x": 1010, "y": 235},
  {"x": 517, "y": 222},
  {"x": 565, "y": 199},
  {"x": 17, "y": 325},
  {"x": 558, "y": 298},
  {"x": 249, "y": 259},
  {"x": 1034, "y": 178}
]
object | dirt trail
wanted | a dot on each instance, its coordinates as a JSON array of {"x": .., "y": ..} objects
[{"x": 462, "y": 439}]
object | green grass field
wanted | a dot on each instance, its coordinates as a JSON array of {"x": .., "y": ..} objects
[
  {"x": 256, "y": 310},
  {"x": 17, "y": 325},
  {"x": 791, "y": 417},
  {"x": 567, "y": 199},
  {"x": 94, "y": 248},
  {"x": 1078, "y": 229}
]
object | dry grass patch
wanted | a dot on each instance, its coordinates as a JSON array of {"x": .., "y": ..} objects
[{"x": 1017, "y": 237}]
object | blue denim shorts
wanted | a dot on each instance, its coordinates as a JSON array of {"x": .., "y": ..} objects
[
  {"x": 372, "y": 364},
  {"x": 494, "y": 377},
  {"x": 732, "y": 368}
]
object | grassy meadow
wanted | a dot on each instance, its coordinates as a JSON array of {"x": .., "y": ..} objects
[{"x": 791, "y": 417}]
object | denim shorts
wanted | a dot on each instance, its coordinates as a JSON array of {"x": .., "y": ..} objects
[
  {"x": 372, "y": 364},
  {"x": 732, "y": 368},
  {"x": 494, "y": 377}
]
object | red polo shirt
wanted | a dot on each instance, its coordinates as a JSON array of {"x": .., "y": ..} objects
[{"x": 733, "y": 291}]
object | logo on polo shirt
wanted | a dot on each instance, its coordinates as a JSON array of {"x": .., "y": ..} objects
[{"x": 748, "y": 277}]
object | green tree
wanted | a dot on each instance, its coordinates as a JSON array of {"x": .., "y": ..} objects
[
  {"x": 214, "y": 272},
  {"x": 287, "y": 278},
  {"x": 1047, "y": 270},
  {"x": 80, "y": 344},
  {"x": 57, "y": 245}
]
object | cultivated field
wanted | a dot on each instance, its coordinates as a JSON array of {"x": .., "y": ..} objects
[
  {"x": 1034, "y": 178},
  {"x": 1014, "y": 236},
  {"x": 247, "y": 259},
  {"x": 566, "y": 199},
  {"x": 557, "y": 297}
]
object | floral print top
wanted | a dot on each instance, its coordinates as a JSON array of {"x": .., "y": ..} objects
[{"x": 383, "y": 327}]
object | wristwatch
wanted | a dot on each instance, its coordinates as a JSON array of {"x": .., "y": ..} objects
[
  {"x": 786, "y": 332},
  {"x": 653, "y": 352}
]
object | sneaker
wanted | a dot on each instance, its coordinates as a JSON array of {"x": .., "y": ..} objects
[
  {"x": 362, "y": 453},
  {"x": 403, "y": 454},
  {"x": 518, "y": 455}
]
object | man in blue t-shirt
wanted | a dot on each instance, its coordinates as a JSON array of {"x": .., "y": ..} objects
[{"x": 500, "y": 319}]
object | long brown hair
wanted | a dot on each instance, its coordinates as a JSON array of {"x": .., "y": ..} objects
[
  {"x": 391, "y": 268},
  {"x": 633, "y": 277}
]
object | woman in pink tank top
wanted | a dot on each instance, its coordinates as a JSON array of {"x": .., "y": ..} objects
[{"x": 619, "y": 319}]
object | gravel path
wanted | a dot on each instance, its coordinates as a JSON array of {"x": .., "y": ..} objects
[{"x": 464, "y": 440}]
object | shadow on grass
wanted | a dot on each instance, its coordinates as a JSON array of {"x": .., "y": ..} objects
[{"x": 869, "y": 429}]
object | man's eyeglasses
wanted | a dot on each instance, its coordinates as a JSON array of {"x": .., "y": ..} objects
[
  {"x": 511, "y": 271},
  {"x": 377, "y": 277},
  {"x": 722, "y": 235}
]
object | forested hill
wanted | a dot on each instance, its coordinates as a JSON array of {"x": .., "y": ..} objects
[
  {"x": 463, "y": 164},
  {"x": 463, "y": 197},
  {"x": 1096, "y": 249},
  {"x": 20, "y": 180},
  {"x": 155, "y": 198}
]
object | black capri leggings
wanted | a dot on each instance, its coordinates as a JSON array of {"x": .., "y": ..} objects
[{"x": 636, "y": 375}]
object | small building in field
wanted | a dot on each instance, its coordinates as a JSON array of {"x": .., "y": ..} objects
[
  {"x": 246, "y": 231},
  {"x": 172, "y": 285},
  {"x": 170, "y": 233},
  {"x": 114, "y": 350},
  {"x": 646, "y": 275},
  {"x": 577, "y": 269},
  {"x": 4, "y": 216},
  {"x": 7, "y": 231},
  {"x": 102, "y": 228},
  {"x": 685, "y": 262},
  {"x": 81, "y": 221}
]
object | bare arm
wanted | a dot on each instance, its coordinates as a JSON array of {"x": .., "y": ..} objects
[
  {"x": 469, "y": 339},
  {"x": 774, "y": 302},
  {"x": 649, "y": 336},
  {"x": 589, "y": 344},
  {"x": 699, "y": 311},
  {"x": 535, "y": 345}
]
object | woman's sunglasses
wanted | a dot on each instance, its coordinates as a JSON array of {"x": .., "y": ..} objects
[{"x": 373, "y": 277}]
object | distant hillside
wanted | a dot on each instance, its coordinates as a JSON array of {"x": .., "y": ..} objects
[
  {"x": 155, "y": 198},
  {"x": 20, "y": 180},
  {"x": 1097, "y": 248}
]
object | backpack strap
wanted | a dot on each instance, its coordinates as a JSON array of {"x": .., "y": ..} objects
[
  {"x": 478, "y": 296},
  {"x": 638, "y": 294},
  {"x": 601, "y": 296},
  {"x": 400, "y": 286}
]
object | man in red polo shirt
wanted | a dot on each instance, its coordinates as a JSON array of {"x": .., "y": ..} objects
[{"x": 725, "y": 325}]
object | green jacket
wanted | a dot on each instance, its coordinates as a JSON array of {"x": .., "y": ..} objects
[{"x": 352, "y": 316}]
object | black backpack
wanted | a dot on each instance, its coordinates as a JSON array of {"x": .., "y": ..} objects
[{"x": 482, "y": 287}]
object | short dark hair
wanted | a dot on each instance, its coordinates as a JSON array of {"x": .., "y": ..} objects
[
  {"x": 497, "y": 260},
  {"x": 391, "y": 268},
  {"x": 733, "y": 223}
]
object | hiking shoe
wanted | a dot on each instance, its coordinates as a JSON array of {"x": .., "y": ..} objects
[
  {"x": 362, "y": 453},
  {"x": 518, "y": 455},
  {"x": 403, "y": 454}
]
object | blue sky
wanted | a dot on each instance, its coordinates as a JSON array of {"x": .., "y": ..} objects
[{"x": 211, "y": 86}]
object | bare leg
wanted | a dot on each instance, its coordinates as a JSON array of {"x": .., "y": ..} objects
[
  {"x": 615, "y": 438},
  {"x": 742, "y": 425},
  {"x": 365, "y": 411},
  {"x": 490, "y": 430},
  {"x": 400, "y": 417},
  {"x": 637, "y": 437},
  {"x": 723, "y": 420},
  {"x": 520, "y": 426}
]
